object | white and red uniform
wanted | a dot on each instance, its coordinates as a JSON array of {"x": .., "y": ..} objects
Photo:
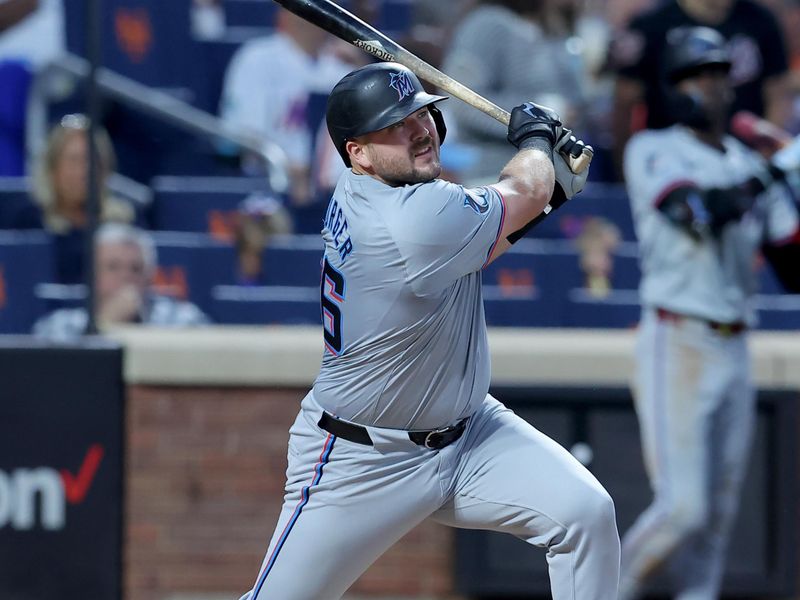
[{"x": 694, "y": 392}]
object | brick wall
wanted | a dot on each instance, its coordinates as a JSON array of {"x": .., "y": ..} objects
[{"x": 205, "y": 474}]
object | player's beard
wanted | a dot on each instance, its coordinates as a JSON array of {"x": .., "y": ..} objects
[{"x": 397, "y": 170}]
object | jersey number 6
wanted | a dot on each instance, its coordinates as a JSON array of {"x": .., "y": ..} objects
[{"x": 332, "y": 295}]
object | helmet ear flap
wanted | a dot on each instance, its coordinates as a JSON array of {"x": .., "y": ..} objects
[
  {"x": 343, "y": 153},
  {"x": 438, "y": 119}
]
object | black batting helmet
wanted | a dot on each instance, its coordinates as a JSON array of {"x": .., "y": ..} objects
[
  {"x": 692, "y": 49},
  {"x": 374, "y": 97}
]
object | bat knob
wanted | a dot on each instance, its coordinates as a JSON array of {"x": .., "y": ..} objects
[{"x": 581, "y": 163}]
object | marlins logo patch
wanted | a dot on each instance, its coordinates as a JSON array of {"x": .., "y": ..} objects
[
  {"x": 476, "y": 199},
  {"x": 402, "y": 83}
]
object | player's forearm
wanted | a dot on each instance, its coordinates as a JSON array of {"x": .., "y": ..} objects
[{"x": 531, "y": 176}]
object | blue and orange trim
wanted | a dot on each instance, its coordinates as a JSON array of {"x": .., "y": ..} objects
[{"x": 305, "y": 494}]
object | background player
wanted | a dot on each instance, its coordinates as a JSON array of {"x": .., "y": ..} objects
[
  {"x": 399, "y": 425},
  {"x": 703, "y": 204},
  {"x": 758, "y": 54}
]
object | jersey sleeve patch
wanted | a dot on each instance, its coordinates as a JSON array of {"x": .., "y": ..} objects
[{"x": 446, "y": 231}]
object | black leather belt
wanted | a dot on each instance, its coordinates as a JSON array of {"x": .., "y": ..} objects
[
  {"x": 435, "y": 439},
  {"x": 724, "y": 329}
]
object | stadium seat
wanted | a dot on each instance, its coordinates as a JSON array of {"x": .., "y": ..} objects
[
  {"x": 265, "y": 305},
  {"x": 526, "y": 286},
  {"x": 26, "y": 260},
  {"x": 14, "y": 197},
  {"x": 618, "y": 309},
  {"x": 249, "y": 13},
  {"x": 395, "y": 16},
  {"x": 293, "y": 261},
  {"x": 200, "y": 204},
  {"x": 150, "y": 41},
  {"x": 626, "y": 273},
  {"x": 531, "y": 284},
  {"x": 597, "y": 200},
  {"x": 191, "y": 264}
]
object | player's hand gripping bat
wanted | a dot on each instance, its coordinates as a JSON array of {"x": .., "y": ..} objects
[{"x": 334, "y": 19}]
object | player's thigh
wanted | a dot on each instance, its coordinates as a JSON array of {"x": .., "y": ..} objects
[
  {"x": 345, "y": 505},
  {"x": 513, "y": 478},
  {"x": 677, "y": 388}
]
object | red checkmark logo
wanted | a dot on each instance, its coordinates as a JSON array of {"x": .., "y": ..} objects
[{"x": 77, "y": 486}]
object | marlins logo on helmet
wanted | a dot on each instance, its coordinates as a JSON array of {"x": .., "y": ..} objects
[{"x": 403, "y": 84}]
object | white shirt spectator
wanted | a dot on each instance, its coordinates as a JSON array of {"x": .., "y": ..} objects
[{"x": 266, "y": 91}]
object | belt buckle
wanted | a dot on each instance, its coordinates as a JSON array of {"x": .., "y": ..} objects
[
  {"x": 724, "y": 329},
  {"x": 429, "y": 441}
]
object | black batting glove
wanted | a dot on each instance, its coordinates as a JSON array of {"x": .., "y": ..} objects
[{"x": 530, "y": 121}]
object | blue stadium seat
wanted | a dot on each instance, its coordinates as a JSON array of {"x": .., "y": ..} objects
[
  {"x": 26, "y": 260},
  {"x": 191, "y": 264},
  {"x": 627, "y": 273},
  {"x": 265, "y": 305},
  {"x": 619, "y": 309},
  {"x": 249, "y": 13},
  {"x": 14, "y": 197},
  {"x": 149, "y": 41},
  {"x": 596, "y": 200},
  {"x": 189, "y": 203},
  {"x": 395, "y": 16},
  {"x": 527, "y": 285},
  {"x": 293, "y": 261},
  {"x": 538, "y": 283}
]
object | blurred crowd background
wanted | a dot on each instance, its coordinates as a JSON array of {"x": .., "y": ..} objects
[{"x": 215, "y": 167}]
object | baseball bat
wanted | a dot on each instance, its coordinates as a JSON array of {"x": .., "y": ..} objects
[
  {"x": 760, "y": 133},
  {"x": 331, "y": 17},
  {"x": 755, "y": 131}
]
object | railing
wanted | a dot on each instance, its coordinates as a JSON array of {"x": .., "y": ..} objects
[{"x": 59, "y": 77}]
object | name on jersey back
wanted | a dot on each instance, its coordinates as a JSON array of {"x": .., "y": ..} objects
[{"x": 336, "y": 223}]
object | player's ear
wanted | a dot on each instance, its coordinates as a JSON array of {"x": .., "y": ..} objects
[{"x": 357, "y": 151}]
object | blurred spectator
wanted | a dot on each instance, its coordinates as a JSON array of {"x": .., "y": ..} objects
[
  {"x": 596, "y": 244},
  {"x": 60, "y": 193},
  {"x": 31, "y": 35},
  {"x": 432, "y": 27},
  {"x": 756, "y": 44},
  {"x": 260, "y": 218},
  {"x": 125, "y": 261},
  {"x": 506, "y": 50},
  {"x": 267, "y": 88}
]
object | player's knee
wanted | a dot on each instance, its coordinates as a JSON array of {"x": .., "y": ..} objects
[
  {"x": 599, "y": 513},
  {"x": 687, "y": 518},
  {"x": 589, "y": 513}
]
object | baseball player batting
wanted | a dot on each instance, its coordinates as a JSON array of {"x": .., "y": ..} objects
[
  {"x": 399, "y": 425},
  {"x": 703, "y": 205}
]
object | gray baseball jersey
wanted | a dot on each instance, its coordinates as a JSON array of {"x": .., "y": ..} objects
[
  {"x": 406, "y": 350},
  {"x": 405, "y": 333},
  {"x": 714, "y": 279}
]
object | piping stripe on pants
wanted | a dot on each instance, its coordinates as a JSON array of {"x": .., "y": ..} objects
[{"x": 305, "y": 494}]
